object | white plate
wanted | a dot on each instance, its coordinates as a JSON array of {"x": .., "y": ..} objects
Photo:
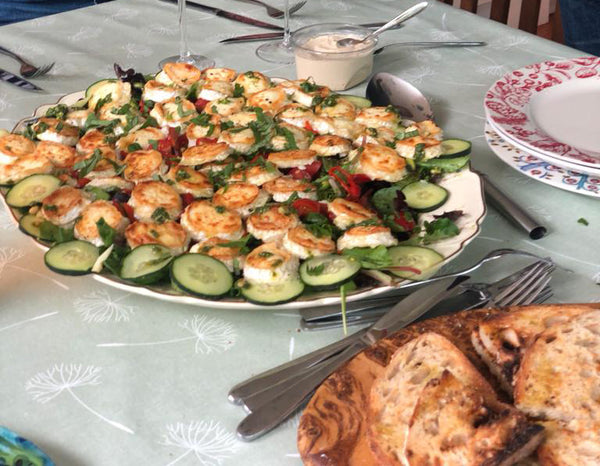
[
  {"x": 564, "y": 163},
  {"x": 551, "y": 108},
  {"x": 466, "y": 194},
  {"x": 540, "y": 170}
]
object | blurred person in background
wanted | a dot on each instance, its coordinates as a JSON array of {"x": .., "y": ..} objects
[
  {"x": 581, "y": 24},
  {"x": 12, "y": 11}
]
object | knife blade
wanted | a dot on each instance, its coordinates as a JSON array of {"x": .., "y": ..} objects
[
  {"x": 15, "y": 80},
  {"x": 270, "y": 410},
  {"x": 277, "y": 35},
  {"x": 230, "y": 15}
]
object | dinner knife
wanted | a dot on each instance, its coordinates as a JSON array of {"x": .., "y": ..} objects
[
  {"x": 277, "y": 35},
  {"x": 230, "y": 15},
  {"x": 15, "y": 80},
  {"x": 276, "y": 409}
]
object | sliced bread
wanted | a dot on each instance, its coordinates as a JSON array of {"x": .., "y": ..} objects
[
  {"x": 502, "y": 339},
  {"x": 573, "y": 444},
  {"x": 455, "y": 423},
  {"x": 395, "y": 394}
]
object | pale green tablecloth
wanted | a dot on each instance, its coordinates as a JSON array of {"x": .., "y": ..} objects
[{"x": 161, "y": 397}]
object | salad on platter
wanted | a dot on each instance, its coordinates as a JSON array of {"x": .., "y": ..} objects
[{"x": 235, "y": 186}]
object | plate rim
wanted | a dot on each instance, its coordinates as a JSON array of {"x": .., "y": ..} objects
[
  {"x": 245, "y": 305},
  {"x": 546, "y": 65}
]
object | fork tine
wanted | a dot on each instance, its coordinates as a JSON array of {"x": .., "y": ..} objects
[
  {"x": 543, "y": 296},
  {"x": 533, "y": 292},
  {"x": 297, "y": 6},
  {"x": 42, "y": 70},
  {"x": 521, "y": 283},
  {"x": 524, "y": 286}
]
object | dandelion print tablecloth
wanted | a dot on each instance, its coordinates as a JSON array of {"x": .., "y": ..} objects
[{"x": 98, "y": 376}]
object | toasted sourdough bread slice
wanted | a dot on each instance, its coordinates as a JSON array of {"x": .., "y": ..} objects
[
  {"x": 573, "y": 444},
  {"x": 395, "y": 394},
  {"x": 502, "y": 339},
  {"x": 456, "y": 424},
  {"x": 559, "y": 377}
]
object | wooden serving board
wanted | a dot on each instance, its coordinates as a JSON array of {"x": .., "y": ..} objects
[{"x": 332, "y": 429}]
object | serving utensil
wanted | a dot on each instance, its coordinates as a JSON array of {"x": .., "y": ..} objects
[
  {"x": 521, "y": 287},
  {"x": 27, "y": 70},
  {"x": 275, "y": 12},
  {"x": 386, "y": 89},
  {"x": 460, "y": 43},
  {"x": 405, "y": 15},
  {"x": 15, "y": 80}
]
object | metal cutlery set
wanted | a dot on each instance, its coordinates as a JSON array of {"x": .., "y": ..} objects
[{"x": 274, "y": 395}]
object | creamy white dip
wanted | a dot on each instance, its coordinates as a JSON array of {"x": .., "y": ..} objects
[{"x": 339, "y": 68}]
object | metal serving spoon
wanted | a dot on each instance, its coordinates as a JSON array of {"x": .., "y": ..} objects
[{"x": 405, "y": 15}]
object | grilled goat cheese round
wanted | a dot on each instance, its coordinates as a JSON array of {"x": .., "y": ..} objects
[
  {"x": 54, "y": 130},
  {"x": 218, "y": 248},
  {"x": 60, "y": 155},
  {"x": 239, "y": 141},
  {"x": 120, "y": 94},
  {"x": 271, "y": 224},
  {"x": 381, "y": 163},
  {"x": 169, "y": 234},
  {"x": 252, "y": 82},
  {"x": 110, "y": 183},
  {"x": 141, "y": 165},
  {"x": 375, "y": 136},
  {"x": 292, "y": 158},
  {"x": 270, "y": 100},
  {"x": 64, "y": 205},
  {"x": 78, "y": 117},
  {"x": 329, "y": 145},
  {"x": 304, "y": 244},
  {"x": 106, "y": 166},
  {"x": 407, "y": 148},
  {"x": 86, "y": 226},
  {"x": 296, "y": 115},
  {"x": 203, "y": 220},
  {"x": 286, "y": 132},
  {"x": 214, "y": 90},
  {"x": 284, "y": 187},
  {"x": 13, "y": 146},
  {"x": 174, "y": 112},
  {"x": 340, "y": 108},
  {"x": 204, "y": 152},
  {"x": 256, "y": 174},
  {"x": 181, "y": 74},
  {"x": 219, "y": 74},
  {"x": 159, "y": 92},
  {"x": 91, "y": 140},
  {"x": 148, "y": 197},
  {"x": 369, "y": 236},
  {"x": 347, "y": 213},
  {"x": 243, "y": 198},
  {"x": 270, "y": 263},
  {"x": 187, "y": 180},
  {"x": 377, "y": 117},
  {"x": 142, "y": 137},
  {"x": 225, "y": 107},
  {"x": 24, "y": 166},
  {"x": 211, "y": 130},
  {"x": 243, "y": 118}
]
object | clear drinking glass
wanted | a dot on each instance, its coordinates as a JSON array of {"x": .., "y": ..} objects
[
  {"x": 280, "y": 51},
  {"x": 185, "y": 56}
]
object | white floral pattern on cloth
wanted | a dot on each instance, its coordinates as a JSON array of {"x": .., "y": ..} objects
[
  {"x": 212, "y": 335},
  {"x": 7, "y": 222},
  {"x": 100, "y": 307},
  {"x": 208, "y": 441},
  {"x": 45, "y": 386}
]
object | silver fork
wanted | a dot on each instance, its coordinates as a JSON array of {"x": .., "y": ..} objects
[
  {"x": 27, "y": 69},
  {"x": 511, "y": 290},
  {"x": 275, "y": 12}
]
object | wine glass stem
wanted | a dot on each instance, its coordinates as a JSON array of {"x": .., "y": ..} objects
[
  {"x": 184, "y": 52},
  {"x": 286, "y": 24}
]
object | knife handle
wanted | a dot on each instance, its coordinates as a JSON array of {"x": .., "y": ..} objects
[{"x": 271, "y": 414}]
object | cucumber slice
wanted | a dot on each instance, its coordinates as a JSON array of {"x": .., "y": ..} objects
[
  {"x": 416, "y": 257},
  {"x": 359, "y": 101},
  {"x": 31, "y": 190},
  {"x": 424, "y": 196},
  {"x": 146, "y": 264},
  {"x": 101, "y": 89},
  {"x": 271, "y": 293},
  {"x": 455, "y": 148},
  {"x": 201, "y": 275},
  {"x": 447, "y": 164},
  {"x": 72, "y": 257},
  {"x": 30, "y": 224},
  {"x": 327, "y": 272}
]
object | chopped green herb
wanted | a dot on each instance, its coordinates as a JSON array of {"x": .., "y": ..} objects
[
  {"x": 86, "y": 166},
  {"x": 220, "y": 209},
  {"x": 160, "y": 215},
  {"x": 290, "y": 140},
  {"x": 59, "y": 111},
  {"x": 583, "y": 221},
  {"x": 103, "y": 101},
  {"x": 316, "y": 270},
  {"x": 309, "y": 86},
  {"x": 50, "y": 208},
  {"x": 238, "y": 90},
  {"x": 370, "y": 258},
  {"x": 201, "y": 120},
  {"x": 97, "y": 193},
  {"x": 265, "y": 254},
  {"x": 181, "y": 175},
  {"x": 133, "y": 147},
  {"x": 106, "y": 232}
]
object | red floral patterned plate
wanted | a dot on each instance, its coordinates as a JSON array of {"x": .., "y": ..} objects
[{"x": 551, "y": 108}]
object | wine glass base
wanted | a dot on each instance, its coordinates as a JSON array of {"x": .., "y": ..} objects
[
  {"x": 199, "y": 61},
  {"x": 275, "y": 52}
]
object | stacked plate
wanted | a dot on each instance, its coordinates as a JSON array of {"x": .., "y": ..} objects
[{"x": 544, "y": 121}]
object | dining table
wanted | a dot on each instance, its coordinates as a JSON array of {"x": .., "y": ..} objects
[{"x": 95, "y": 375}]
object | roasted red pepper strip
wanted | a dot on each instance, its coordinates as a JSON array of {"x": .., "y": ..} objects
[
  {"x": 307, "y": 206},
  {"x": 187, "y": 199},
  {"x": 308, "y": 172},
  {"x": 200, "y": 104},
  {"x": 125, "y": 209},
  {"x": 346, "y": 181},
  {"x": 81, "y": 182},
  {"x": 407, "y": 224},
  {"x": 308, "y": 127}
]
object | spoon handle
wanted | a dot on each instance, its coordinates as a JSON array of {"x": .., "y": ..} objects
[
  {"x": 406, "y": 14},
  {"x": 432, "y": 44}
]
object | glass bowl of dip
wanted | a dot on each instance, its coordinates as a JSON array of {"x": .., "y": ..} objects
[{"x": 319, "y": 57}]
